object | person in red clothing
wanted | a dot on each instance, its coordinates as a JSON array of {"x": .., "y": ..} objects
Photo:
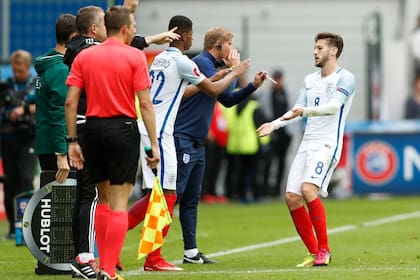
[
  {"x": 216, "y": 154},
  {"x": 112, "y": 138}
]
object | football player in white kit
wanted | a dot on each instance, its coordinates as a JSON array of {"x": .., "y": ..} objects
[
  {"x": 170, "y": 72},
  {"x": 325, "y": 99}
]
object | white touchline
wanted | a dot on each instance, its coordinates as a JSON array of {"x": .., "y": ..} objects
[
  {"x": 381, "y": 221},
  {"x": 286, "y": 240}
]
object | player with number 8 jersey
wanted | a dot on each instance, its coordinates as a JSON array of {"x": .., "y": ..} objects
[{"x": 325, "y": 100}]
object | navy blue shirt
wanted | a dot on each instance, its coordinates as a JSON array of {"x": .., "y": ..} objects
[{"x": 195, "y": 113}]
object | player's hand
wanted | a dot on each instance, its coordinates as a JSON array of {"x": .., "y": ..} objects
[
  {"x": 131, "y": 5},
  {"x": 164, "y": 37},
  {"x": 76, "y": 156},
  {"x": 63, "y": 168},
  {"x": 241, "y": 68},
  {"x": 234, "y": 58},
  {"x": 154, "y": 161},
  {"x": 265, "y": 129},
  {"x": 259, "y": 78}
]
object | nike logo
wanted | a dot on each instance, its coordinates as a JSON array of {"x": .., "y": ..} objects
[{"x": 199, "y": 261}]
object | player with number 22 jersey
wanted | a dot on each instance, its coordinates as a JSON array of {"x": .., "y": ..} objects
[{"x": 170, "y": 72}]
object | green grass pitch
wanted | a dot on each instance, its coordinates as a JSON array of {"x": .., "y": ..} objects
[{"x": 369, "y": 239}]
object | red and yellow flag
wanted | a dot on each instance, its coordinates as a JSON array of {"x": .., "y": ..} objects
[{"x": 157, "y": 217}]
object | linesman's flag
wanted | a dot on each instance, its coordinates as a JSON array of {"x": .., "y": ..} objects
[{"x": 157, "y": 217}]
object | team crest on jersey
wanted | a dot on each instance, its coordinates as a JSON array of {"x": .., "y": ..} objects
[
  {"x": 329, "y": 88},
  {"x": 377, "y": 162},
  {"x": 196, "y": 72},
  {"x": 186, "y": 158}
]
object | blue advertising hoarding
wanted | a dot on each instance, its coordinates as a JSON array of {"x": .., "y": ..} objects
[
  {"x": 31, "y": 23},
  {"x": 386, "y": 158}
]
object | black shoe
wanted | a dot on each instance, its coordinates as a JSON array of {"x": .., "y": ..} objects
[
  {"x": 83, "y": 270},
  {"x": 200, "y": 258}
]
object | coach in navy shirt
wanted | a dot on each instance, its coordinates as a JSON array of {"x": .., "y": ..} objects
[{"x": 191, "y": 128}]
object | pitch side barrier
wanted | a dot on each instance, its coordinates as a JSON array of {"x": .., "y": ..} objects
[{"x": 385, "y": 157}]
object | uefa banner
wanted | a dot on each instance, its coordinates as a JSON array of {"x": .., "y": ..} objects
[
  {"x": 386, "y": 161},
  {"x": 47, "y": 224}
]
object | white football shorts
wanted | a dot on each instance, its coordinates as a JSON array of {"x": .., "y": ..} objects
[
  {"x": 167, "y": 166},
  {"x": 314, "y": 166}
]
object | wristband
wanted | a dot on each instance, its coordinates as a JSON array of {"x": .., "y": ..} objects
[
  {"x": 71, "y": 139},
  {"x": 277, "y": 123}
]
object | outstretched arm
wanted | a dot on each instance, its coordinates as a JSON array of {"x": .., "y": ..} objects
[
  {"x": 192, "y": 89},
  {"x": 268, "y": 127},
  {"x": 163, "y": 38}
]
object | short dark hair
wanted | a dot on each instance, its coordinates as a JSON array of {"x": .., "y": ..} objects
[
  {"x": 333, "y": 40},
  {"x": 87, "y": 16},
  {"x": 183, "y": 23},
  {"x": 115, "y": 18},
  {"x": 64, "y": 27}
]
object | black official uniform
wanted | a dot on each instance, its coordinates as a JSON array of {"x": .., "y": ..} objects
[{"x": 86, "y": 194}]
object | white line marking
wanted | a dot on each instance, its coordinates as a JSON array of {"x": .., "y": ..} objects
[
  {"x": 392, "y": 219},
  {"x": 262, "y": 271},
  {"x": 286, "y": 240}
]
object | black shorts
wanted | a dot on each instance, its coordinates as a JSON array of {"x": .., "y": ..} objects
[{"x": 112, "y": 147}]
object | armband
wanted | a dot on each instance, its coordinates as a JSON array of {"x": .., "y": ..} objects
[{"x": 71, "y": 139}]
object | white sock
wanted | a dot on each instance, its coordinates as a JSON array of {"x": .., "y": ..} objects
[
  {"x": 86, "y": 257},
  {"x": 191, "y": 252}
]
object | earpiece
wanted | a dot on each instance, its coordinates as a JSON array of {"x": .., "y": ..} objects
[{"x": 219, "y": 47}]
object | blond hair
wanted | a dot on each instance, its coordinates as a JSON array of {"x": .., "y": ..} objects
[
  {"x": 21, "y": 56},
  {"x": 216, "y": 34}
]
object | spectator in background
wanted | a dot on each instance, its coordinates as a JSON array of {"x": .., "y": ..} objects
[
  {"x": 215, "y": 156},
  {"x": 276, "y": 105},
  {"x": 243, "y": 146},
  {"x": 412, "y": 104},
  {"x": 17, "y": 128},
  {"x": 415, "y": 46}
]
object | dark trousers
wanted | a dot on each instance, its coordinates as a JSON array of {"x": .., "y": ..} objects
[
  {"x": 191, "y": 162},
  {"x": 19, "y": 169},
  {"x": 280, "y": 146},
  {"x": 215, "y": 155},
  {"x": 241, "y": 177},
  {"x": 84, "y": 207}
]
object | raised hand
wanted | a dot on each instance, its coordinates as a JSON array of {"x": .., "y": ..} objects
[
  {"x": 234, "y": 58},
  {"x": 242, "y": 67}
]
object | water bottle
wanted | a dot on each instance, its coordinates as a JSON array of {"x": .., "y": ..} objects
[{"x": 18, "y": 233}]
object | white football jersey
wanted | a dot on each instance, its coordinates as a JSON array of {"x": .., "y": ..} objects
[
  {"x": 170, "y": 72},
  {"x": 326, "y": 131}
]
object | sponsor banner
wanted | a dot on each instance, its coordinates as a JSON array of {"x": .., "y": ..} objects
[
  {"x": 386, "y": 162},
  {"x": 47, "y": 222}
]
